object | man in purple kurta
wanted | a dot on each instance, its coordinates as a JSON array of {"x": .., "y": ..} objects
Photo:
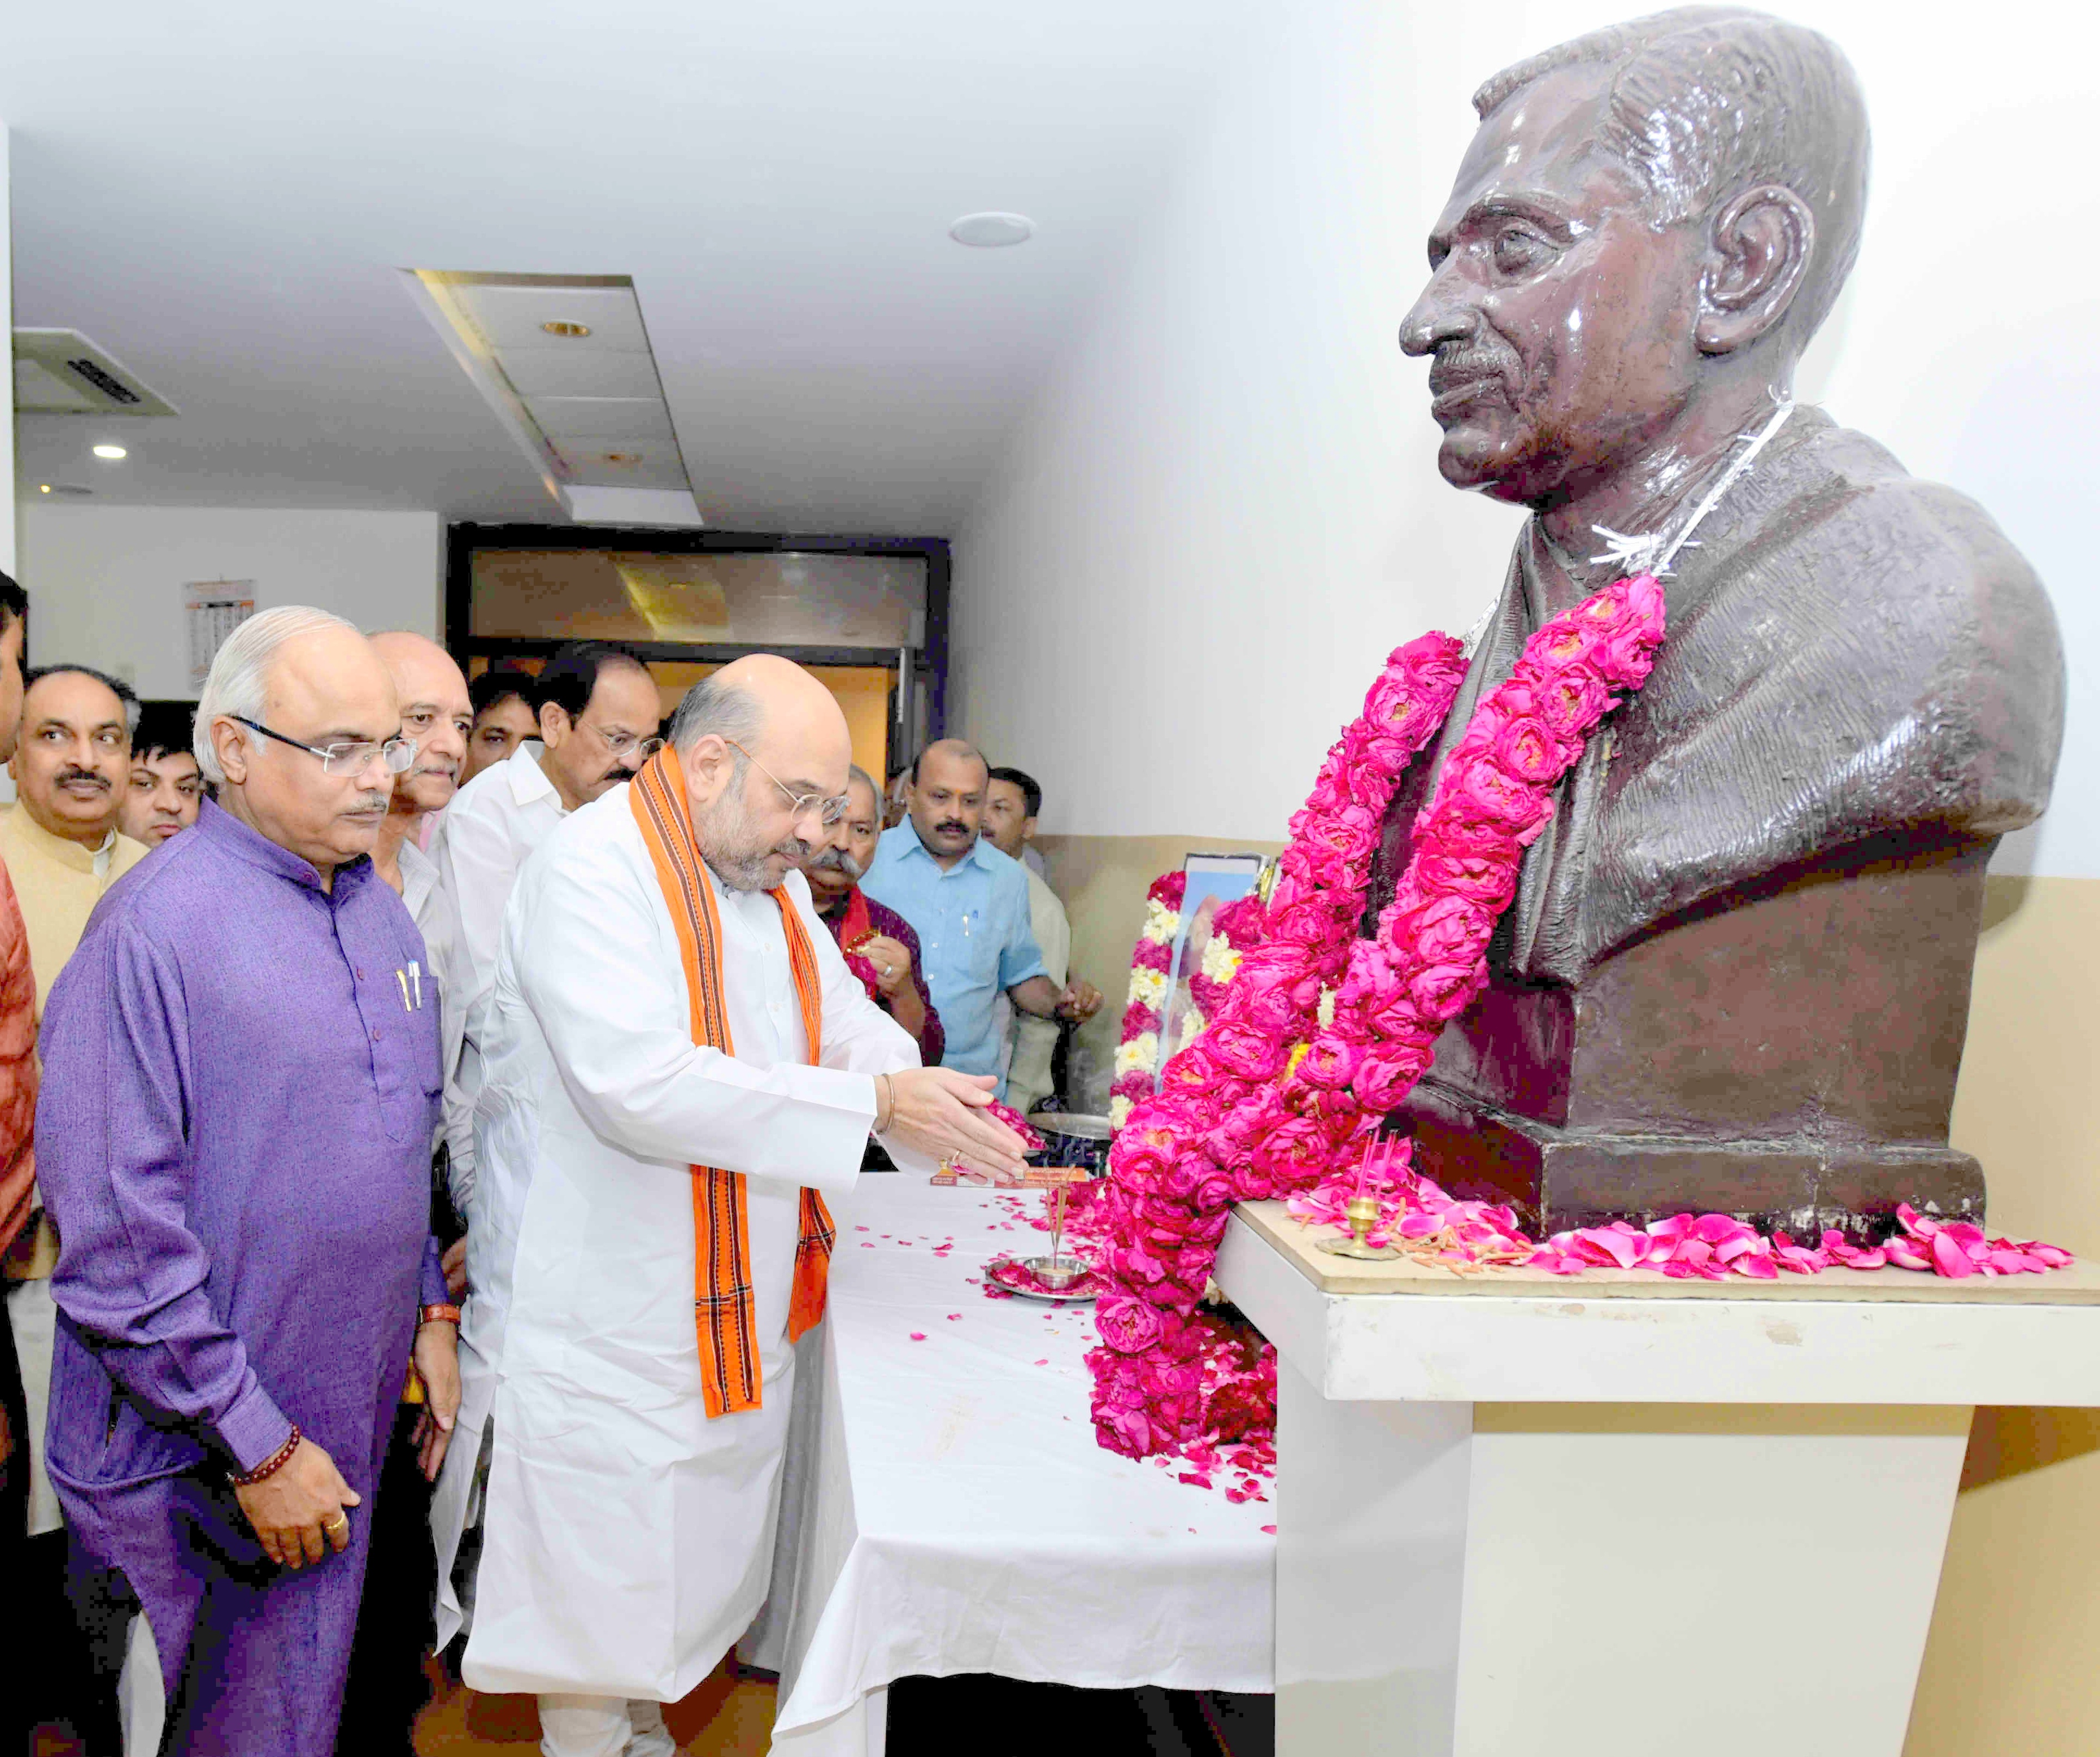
[{"x": 242, "y": 1077}]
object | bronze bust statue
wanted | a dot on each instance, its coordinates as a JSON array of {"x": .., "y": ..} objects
[{"x": 1736, "y": 973}]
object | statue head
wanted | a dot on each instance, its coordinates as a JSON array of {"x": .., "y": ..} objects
[{"x": 1650, "y": 218}]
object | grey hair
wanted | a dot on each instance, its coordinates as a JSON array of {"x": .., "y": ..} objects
[
  {"x": 718, "y": 710},
  {"x": 854, "y": 772},
  {"x": 239, "y": 679},
  {"x": 1707, "y": 101}
]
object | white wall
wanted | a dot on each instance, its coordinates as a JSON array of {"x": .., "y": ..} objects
[
  {"x": 105, "y": 582},
  {"x": 1224, "y": 507}
]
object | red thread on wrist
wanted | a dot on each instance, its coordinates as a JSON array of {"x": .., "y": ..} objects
[{"x": 270, "y": 1466}]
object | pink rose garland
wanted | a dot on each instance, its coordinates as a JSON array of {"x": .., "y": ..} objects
[{"x": 1269, "y": 1099}]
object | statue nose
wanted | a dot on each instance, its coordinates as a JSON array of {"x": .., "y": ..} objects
[{"x": 1436, "y": 317}]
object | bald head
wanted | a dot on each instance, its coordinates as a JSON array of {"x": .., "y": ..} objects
[
  {"x": 948, "y": 784},
  {"x": 312, "y": 672},
  {"x": 764, "y": 746},
  {"x": 435, "y": 712}
]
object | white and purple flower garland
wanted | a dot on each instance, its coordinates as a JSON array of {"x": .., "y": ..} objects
[{"x": 1151, "y": 973}]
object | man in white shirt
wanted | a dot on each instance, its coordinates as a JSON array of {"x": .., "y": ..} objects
[
  {"x": 1012, "y": 799},
  {"x": 598, "y": 712},
  {"x": 436, "y": 714},
  {"x": 386, "y": 1688},
  {"x": 679, "y": 1065}
]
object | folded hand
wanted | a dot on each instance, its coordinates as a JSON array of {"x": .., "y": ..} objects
[{"x": 941, "y": 1113}]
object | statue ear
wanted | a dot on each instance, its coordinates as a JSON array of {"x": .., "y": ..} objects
[{"x": 1761, "y": 244}]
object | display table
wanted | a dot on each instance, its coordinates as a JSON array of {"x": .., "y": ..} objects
[
  {"x": 946, "y": 1510},
  {"x": 1619, "y": 1514}
]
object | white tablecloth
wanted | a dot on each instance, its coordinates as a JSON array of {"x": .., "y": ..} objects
[{"x": 945, "y": 1509}]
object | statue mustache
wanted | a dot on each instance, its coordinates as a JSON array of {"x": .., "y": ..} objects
[{"x": 1457, "y": 365}]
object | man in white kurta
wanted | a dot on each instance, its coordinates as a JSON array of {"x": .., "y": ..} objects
[
  {"x": 626, "y": 1537},
  {"x": 597, "y": 712}
]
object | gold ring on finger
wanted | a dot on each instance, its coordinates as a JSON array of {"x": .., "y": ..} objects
[{"x": 341, "y": 1522}]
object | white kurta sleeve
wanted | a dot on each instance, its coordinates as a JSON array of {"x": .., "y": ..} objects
[
  {"x": 475, "y": 866},
  {"x": 857, "y": 1034},
  {"x": 437, "y": 918},
  {"x": 596, "y": 962}
]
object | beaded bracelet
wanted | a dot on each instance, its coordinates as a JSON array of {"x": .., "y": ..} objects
[
  {"x": 270, "y": 1466},
  {"x": 441, "y": 1314}
]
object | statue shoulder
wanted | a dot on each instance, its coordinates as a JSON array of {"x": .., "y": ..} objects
[
  {"x": 1858, "y": 653},
  {"x": 1945, "y": 560},
  {"x": 1952, "y": 608}
]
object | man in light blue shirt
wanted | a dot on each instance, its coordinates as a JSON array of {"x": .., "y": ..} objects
[{"x": 969, "y": 905}]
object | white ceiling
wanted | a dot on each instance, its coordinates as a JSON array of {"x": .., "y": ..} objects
[{"x": 222, "y": 195}]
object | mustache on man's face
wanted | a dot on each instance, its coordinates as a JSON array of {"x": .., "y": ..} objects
[
  {"x": 955, "y": 827},
  {"x": 69, "y": 776},
  {"x": 838, "y": 861}
]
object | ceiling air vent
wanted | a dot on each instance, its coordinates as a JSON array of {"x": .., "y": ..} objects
[{"x": 59, "y": 371}]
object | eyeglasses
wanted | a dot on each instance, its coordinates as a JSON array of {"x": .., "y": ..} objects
[
  {"x": 828, "y": 812},
  {"x": 345, "y": 758},
  {"x": 619, "y": 743}
]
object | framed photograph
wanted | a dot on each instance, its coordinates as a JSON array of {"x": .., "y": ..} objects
[{"x": 1213, "y": 881}]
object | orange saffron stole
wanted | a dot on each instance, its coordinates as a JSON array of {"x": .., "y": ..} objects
[{"x": 722, "y": 1299}]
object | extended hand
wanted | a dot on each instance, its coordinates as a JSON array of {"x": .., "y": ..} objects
[
  {"x": 893, "y": 963},
  {"x": 1079, "y": 1002},
  {"x": 941, "y": 1113},
  {"x": 437, "y": 1365},
  {"x": 302, "y": 1508}
]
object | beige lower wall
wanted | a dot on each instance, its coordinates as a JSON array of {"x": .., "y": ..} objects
[{"x": 2009, "y": 1665}]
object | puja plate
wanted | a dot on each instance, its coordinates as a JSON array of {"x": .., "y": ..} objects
[{"x": 1018, "y": 1275}]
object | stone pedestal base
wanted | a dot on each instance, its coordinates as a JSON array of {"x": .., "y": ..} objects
[{"x": 1556, "y": 1178}]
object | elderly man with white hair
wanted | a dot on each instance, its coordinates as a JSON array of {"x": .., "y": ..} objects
[
  {"x": 680, "y": 1068},
  {"x": 240, "y": 1083}
]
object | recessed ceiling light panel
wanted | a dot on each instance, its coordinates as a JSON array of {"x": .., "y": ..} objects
[
  {"x": 110, "y": 454},
  {"x": 992, "y": 231},
  {"x": 564, "y": 362}
]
